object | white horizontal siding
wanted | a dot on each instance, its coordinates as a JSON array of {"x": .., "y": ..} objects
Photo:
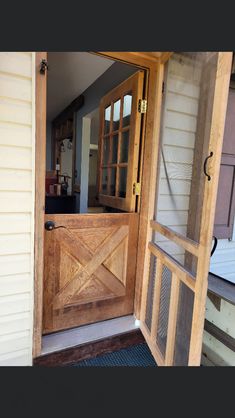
[
  {"x": 179, "y": 123},
  {"x": 21, "y": 158},
  {"x": 15, "y": 264},
  {"x": 15, "y": 180},
  {"x": 223, "y": 260},
  {"x": 18, "y": 135},
  {"x": 16, "y": 358},
  {"x": 19, "y": 340},
  {"x": 17, "y": 223},
  {"x": 14, "y": 284},
  {"x": 224, "y": 320},
  {"x": 17, "y": 174}
]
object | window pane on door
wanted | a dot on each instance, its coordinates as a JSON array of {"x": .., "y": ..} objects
[
  {"x": 127, "y": 101},
  {"x": 104, "y": 181},
  {"x": 112, "y": 181},
  {"x": 124, "y": 147},
  {"x": 106, "y": 145},
  {"x": 107, "y": 119},
  {"x": 122, "y": 181},
  {"x": 114, "y": 149},
  {"x": 116, "y": 115}
]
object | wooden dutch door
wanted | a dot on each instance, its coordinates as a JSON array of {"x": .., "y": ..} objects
[{"x": 90, "y": 260}]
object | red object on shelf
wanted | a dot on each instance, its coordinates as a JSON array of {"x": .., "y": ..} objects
[{"x": 49, "y": 181}]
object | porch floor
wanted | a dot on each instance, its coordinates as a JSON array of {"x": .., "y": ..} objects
[{"x": 137, "y": 355}]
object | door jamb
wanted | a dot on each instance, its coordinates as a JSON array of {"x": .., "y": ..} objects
[{"x": 154, "y": 66}]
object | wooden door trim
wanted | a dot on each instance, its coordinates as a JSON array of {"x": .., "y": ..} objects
[
  {"x": 40, "y": 172},
  {"x": 154, "y": 66}
]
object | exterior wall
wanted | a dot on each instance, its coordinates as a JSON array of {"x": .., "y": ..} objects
[
  {"x": 179, "y": 122},
  {"x": 17, "y": 150},
  {"x": 223, "y": 259},
  {"x": 216, "y": 352}
]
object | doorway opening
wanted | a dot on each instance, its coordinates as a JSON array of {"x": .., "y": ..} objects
[{"x": 91, "y": 204}]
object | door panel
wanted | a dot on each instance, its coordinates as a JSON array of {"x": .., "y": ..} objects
[
  {"x": 119, "y": 144},
  {"x": 180, "y": 231},
  {"x": 87, "y": 276}
]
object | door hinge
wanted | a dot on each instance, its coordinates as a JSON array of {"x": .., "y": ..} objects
[
  {"x": 163, "y": 87},
  {"x": 142, "y": 106},
  {"x": 136, "y": 189}
]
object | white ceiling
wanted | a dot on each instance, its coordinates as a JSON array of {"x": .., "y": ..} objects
[{"x": 69, "y": 75}]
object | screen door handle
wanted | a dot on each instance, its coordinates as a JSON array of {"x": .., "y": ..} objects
[{"x": 205, "y": 164}]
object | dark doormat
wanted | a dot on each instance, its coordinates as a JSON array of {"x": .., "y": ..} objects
[{"x": 137, "y": 355}]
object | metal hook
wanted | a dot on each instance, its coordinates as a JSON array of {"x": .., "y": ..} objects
[
  {"x": 43, "y": 66},
  {"x": 215, "y": 245},
  {"x": 204, "y": 166}
]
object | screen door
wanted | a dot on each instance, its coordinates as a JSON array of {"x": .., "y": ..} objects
[{"x": 177, "y": 260}]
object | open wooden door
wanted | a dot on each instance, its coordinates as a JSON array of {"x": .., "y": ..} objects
[
  {"x": 120, "y": 116},
  {"x": 90, "y": 259},
  {"x": 180, "y": 231}
]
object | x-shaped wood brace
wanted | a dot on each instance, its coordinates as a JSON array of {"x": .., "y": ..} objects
[{"x": 91, "y": 263}]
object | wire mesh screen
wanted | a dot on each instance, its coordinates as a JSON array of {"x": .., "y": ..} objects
[
  {"x": 150, "y": 294},
  {"x": 164, "y": 309},
  {"x": 184, "y": 326}
]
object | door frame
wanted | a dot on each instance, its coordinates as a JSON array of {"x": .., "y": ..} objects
[{"x": 153, "y": 64}]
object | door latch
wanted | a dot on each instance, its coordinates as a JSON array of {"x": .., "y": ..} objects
[
  {"x": 43, "y": 66},
  {"x": 49, "y": 225}
]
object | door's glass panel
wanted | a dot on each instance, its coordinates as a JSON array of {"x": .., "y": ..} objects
[
  {"x": 104, "y": 181},
  {"x": 124, "y": 147},
  {"x": 150, "y": 294},
  {"x": 114, "y": 149},
  {"x": 184, "y": 326},
  {"x": 106, "y": 145},
  {"x": 116, "y": 115},
  {"x": 127, "y": 101},
  {"x": 122, "y": 181},
  {"x": 187, "y": 110},
  {"x": 164, "y": 309},
  {"x": 112, "y": 181},
  {"x": 107, "y": 119},
  {"x": 176, "y": 251}
]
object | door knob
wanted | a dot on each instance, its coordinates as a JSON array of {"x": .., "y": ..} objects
[{"x": 49, "y": 225}]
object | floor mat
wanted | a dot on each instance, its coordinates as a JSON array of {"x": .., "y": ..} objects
[{"x": 137, "y": 355}]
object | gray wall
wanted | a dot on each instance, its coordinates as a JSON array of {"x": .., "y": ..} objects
[{"x": 117, "y": 73}]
